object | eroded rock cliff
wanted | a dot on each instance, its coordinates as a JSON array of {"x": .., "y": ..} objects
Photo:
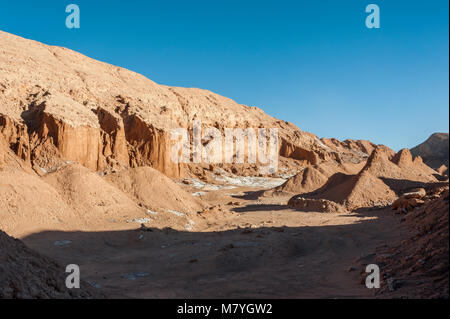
[{"x": 58, "y": 105}]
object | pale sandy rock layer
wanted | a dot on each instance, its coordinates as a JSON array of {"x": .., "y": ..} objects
[{"x": 58, "y": 104}]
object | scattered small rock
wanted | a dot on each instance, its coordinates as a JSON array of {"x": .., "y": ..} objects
[
  {"x": 145, "y": 228},
  {"x": 139, "y": 221},
  {"x": 62, "y": 243},
  {"x": 176, "y": 213},
  {"x": 150, "y": 212},
  {"x": 393, "y": 284}
]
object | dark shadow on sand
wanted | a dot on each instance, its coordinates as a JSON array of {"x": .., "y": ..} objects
[
  {"x": 265, "y": 262},
  {"x": 259, "y": 207}
]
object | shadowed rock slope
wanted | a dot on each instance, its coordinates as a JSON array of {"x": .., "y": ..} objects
[
  {"x": 418, "y": 266},
  {"x": 434, "y": 151},
  {"x": 25, "y": 274}
]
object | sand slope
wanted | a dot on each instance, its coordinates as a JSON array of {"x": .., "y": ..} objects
[
  {"x": 313, "y": 177},
  {"x": 26, "y": 274},
  {"x": 28, "y": 205},
  {"x": 384, "y": 177},
  {"x": 154, "y": 190},
  {"x": 104, "y": 116}
]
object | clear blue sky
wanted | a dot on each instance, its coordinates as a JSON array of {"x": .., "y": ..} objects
[{"x": 313, "y": 63}]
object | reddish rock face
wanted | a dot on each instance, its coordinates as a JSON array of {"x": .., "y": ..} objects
[
  {"x": 16, "y": 135},
  {"x": 384, "y": 176},
  {"x": 59, "y": 104}
]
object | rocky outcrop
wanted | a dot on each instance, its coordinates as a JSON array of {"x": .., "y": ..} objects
[
  {"x": 313, "y": 177},
  {"x": 417, "y": 197},
  {"x": 410, "y": 200},
  {"x": 114, "y": 147},
  {"x": 443, "y": 170},
  {"x": 309, "y": 179},
  {"x": 434, "y": 151},
  {"x": 315, "y": 205},
  {"x": 16, "y": 135},
  {"x": 9, "y": 160},
  {"x": 58, "y": 105},
  {"x": 384, "y": 177}
]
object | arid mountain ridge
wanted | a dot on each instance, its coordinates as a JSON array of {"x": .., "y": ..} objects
[
  {"x": 56, "y": 103},
  {"x": 434, "y": 151}
]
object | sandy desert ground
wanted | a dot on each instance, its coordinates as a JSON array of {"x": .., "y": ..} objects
[{"x": 263, "y": 250}]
